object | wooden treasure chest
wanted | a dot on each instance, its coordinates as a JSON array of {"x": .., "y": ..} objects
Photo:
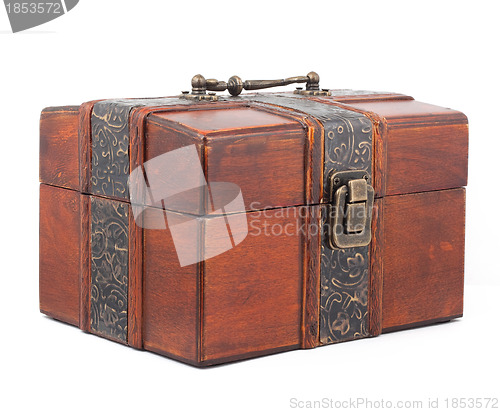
[{"x": 211, "y": 228}]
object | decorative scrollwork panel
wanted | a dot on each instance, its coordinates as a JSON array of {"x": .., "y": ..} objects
[{"x": 109, "y": 268}]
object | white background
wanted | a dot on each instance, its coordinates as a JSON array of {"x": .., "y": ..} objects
[{"x": 440, "y": 52}]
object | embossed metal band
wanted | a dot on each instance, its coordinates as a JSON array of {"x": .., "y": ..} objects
[
  {"x": 109, "y": 268},
  {"x": 344, "y": 272}
]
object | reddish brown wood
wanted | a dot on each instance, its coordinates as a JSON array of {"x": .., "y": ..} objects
[
  {"x": 135, "y": 279},
  {"x": 312, "y": 254},
  {"x": 426, "y": 146},
  {"x": 267, "y": 162},
  {"x": 252, "y": 294},
  {"x": 377, "y": 248},
  {"x": 232, "y": 306},
  {"x": 379, "y": 145},
  {"x": 85, "y": 144},
  {"x": 59, "y": 253},
  {"x": 314, "y": 160},
  {"x": 411, "y": 111},
  {"x": 208, "y": 121},
  {"x": 311, "y": 283},
  {"x": 59, "y": 147},
  {"x": 269, "y": 168},
  {"x": 423, "y": 258},
  {"x": 163, "y": 139},
  {"x": 84, "y": 262},
  {"x": 141, "y": 133},
  {"x": 429, "y": 158},
  {"x": 354, "y": 97},
  {"x": 170, "y": 296},
  {"x": 314, "y": 156},
  {"x": 136, "y": 237}
]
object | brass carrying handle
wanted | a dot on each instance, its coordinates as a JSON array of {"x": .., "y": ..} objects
[{"x": 235, "y": 85}]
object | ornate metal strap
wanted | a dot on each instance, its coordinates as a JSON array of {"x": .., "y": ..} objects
[{"x": 109, "y": 249}]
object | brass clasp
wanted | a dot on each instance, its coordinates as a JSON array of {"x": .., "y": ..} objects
[{"x": 350, "y": 211}]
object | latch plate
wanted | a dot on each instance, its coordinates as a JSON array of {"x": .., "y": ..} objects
[{"x": 350, "y": 209}]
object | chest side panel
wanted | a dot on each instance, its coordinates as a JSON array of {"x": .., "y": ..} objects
[
  {"x": 423, "y": 258},
  {"x": 59, "y": 253}
]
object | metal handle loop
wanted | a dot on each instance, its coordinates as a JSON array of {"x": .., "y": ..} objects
[{"x": 235, "y": 85}]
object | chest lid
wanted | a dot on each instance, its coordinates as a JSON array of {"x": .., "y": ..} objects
[{"x": 278, "y": 149}]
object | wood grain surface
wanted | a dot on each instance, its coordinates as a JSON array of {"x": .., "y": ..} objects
[
  {"x": 59, "y": 147},
  {"x": 423, "y": 257},
  {"x": 60, "y": 253},
  {"x": 85, "y": 262},
  {"x": 85, "y": 144},
  {"x": 375, "y": 309},
  {"x": 171, "y": 297},
  {"x": 266, "y": 162},
  {"x": 252, "y": 294},
  {"x": 426, "y": 146}
]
